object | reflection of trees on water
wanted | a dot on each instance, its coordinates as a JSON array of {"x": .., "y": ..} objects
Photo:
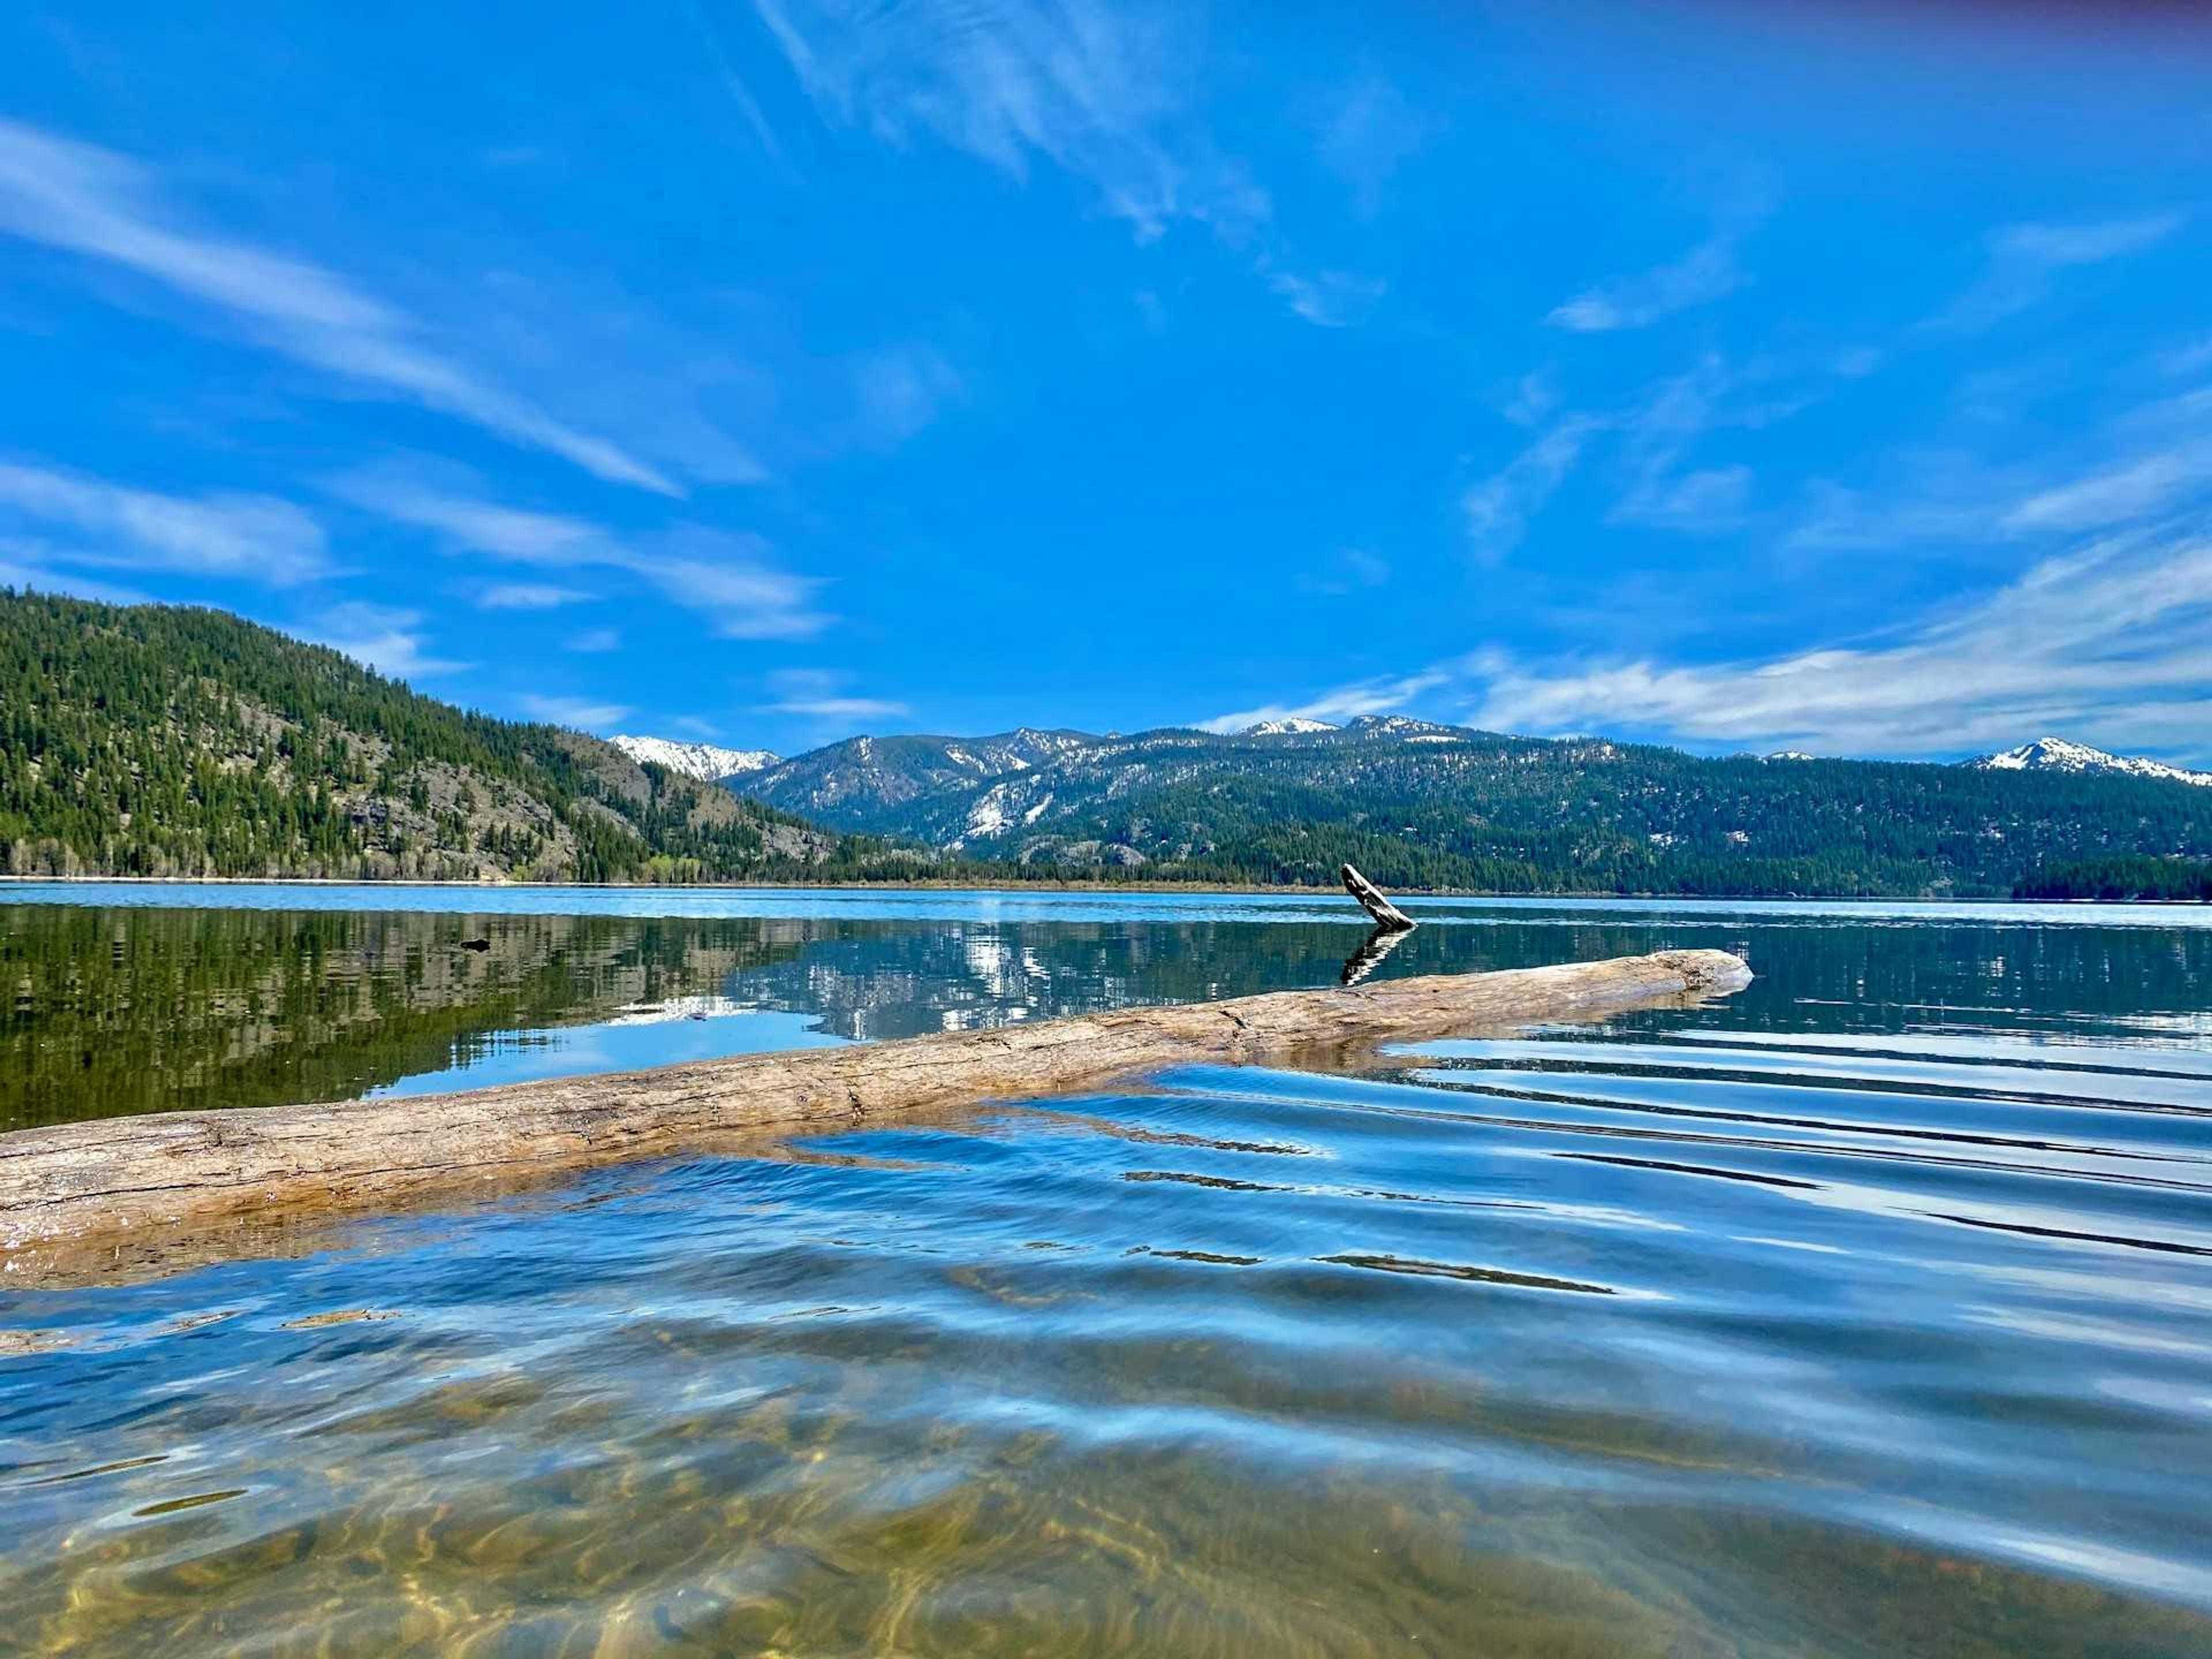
[
  {"x": 121, "y": 1011},
  {"x": 126, "y": 1010}
]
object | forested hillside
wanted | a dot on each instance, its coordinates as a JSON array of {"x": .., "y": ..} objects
[
  {"x": 1417, "y": 805},
  {"x": 159, "y": 741}
]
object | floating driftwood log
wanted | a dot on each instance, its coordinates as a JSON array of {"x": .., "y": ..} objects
[{"x": 121, "y": 1179}]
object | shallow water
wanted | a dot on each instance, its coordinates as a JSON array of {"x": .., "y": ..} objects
[{"x": 1866, "y": 1312}]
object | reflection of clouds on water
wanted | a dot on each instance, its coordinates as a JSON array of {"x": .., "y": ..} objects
[{"x": 707, "y": 1006}]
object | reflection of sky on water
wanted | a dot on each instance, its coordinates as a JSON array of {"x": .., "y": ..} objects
[{"x": 622, "y": 1044}]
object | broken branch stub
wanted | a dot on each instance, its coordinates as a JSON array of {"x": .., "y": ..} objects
[{"x": 1371, "y": 898}]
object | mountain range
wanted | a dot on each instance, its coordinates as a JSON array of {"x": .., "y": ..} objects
[
  {"x": 1418, "y": 804},
  {"x": 164, "y": 741}
]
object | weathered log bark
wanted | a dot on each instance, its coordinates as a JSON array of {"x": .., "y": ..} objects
[
  {"x": 1370, "y": 897},
  {"x": 120, "y": 1179}
]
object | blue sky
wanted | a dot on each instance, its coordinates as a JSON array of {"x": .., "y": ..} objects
[{"x": 1829, "y": 377}]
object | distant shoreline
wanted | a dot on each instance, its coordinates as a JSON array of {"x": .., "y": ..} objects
[{"x": 1248, "y": 889}]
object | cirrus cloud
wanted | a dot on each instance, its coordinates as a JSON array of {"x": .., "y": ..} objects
[
  {"x": 256, "y": 537},
  {"x": 100, "y": 205},
  {"x": 2112, "y": 643},
  {"x": 728, "y": 577}
]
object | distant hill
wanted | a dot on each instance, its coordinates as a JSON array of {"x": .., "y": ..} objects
[
  {"x": 709, "y": 762},
  {"x": 2057, "y": 755},
  {"x": 159, "y": 741},
  {"x": 1416, "y": 805}
]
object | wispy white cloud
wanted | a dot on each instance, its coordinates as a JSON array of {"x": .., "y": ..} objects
[
  {"x": 594, "y": 641},
  {"x": 250, "y": 537},
  {"x": 1375, "y": 696},
  {"x": 1954, "y": 499},
  {"x": 528, "y": 596},
  {"x": 1839, "y": 518},
  {"x": 1330, "y": 299},
  {"x": 102, "y": 205},
  {"x": 2024, "y": 259},
  {"x": 726, "y": 74},
  {"x": 1498, "y": 509},
  {"x": 1658, "y": 434},
  {"x": 1107, "y": 94},
  {"x": 2119, "y": 496},
  {"x": 729, "y": 578},
  {"x": 2055, "y": 246},
  {"x": 1532, "y": 398},
  {"x": 24, "y": 567},
  {"x": 820, "y": 694},
  {"x": 1370, "y": 133},
  {"x": 2110, "y": 643},
  {"x": 1652, "y": 448},
  {"x": 383, "y": 637},
  {"x": 1098, "y": 91},
  {"x": 841, "y": 709},
  {"x": 2190, "y": 358},
  {"x": 899, "y": 391},
  {"x": 584, "y": 713},
  {"x": 1709, "y": 271},
  {"x": 1708, "y": 499}
]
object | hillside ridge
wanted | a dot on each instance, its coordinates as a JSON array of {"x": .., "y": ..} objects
[{"x": 158, "y": 740}]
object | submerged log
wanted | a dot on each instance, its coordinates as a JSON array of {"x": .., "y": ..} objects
[
  {"x": 1370, "y": 897},
  {"x": 120, "y": 1179}
]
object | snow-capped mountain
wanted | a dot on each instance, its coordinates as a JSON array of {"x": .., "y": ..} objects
[
  {"x": 2057, "y": 755},
  {"x": 706, "y": 761},
  {"x": 1453, "y": 804},
  {"x": 1288, "y": 726}
]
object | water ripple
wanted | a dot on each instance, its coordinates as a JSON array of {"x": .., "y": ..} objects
[{"x": 1802, "y": 1324}]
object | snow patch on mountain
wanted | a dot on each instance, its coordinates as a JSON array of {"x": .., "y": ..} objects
[
  {"x": 1288, "y": 726},
  {"x": 706, "y": 761},
  {"x": 988, "y": 814},
  {"x": 1400, "y": 725},
  {"x": 2059, "y": 755}
]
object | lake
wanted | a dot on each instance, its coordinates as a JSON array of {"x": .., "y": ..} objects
[{"x": 1865, "y": 1312}]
